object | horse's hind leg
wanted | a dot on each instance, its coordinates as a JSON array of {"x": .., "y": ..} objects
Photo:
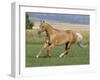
[
  {"x": 67, "y": 47},
  {"x": 44, "y": 47},
  {"x": 62, "y": 54}
]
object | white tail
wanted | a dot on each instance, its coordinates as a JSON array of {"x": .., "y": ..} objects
[
  {"x": 79, "y": 40},
  {"x": 82, "y": 45}
]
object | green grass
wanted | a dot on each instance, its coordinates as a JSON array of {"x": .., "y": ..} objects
[{"x": 34, "y": 43}]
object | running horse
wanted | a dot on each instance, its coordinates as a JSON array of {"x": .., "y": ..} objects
[{"x": 56, "y": 37}]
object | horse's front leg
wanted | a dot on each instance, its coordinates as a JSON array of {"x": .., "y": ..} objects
[
  {"x": 48, "y": 49},
  {"x": 44, "y": 47}
]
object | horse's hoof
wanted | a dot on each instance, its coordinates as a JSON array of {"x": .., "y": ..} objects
[
  {"x": 37, "y": 56},
  {"x": 49, "y": 55},
  {"x": 60, "y": 56}
]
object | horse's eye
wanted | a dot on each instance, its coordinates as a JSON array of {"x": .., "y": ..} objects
[{"x": 42, "y": 26}]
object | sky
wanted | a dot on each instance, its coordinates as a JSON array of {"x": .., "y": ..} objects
[{"x": 61, "y": 18}]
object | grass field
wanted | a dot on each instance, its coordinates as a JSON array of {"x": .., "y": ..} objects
[{"x": 76, "y": 54}]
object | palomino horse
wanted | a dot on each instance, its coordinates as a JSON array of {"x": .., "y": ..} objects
[{"x": 56, "y": 37}]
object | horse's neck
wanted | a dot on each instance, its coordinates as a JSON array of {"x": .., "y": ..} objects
[{"x": 50, "y": 30}]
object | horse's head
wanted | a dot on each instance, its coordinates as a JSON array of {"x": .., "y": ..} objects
[{"x": 42, "y": 27}]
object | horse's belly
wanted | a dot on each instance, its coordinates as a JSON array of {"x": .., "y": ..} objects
[{"x": 60, "y": 40}]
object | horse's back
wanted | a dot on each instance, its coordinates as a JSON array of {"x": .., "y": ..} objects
[{"x": 68, "y": 31}]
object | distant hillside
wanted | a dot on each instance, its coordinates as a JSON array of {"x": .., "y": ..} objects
[{"x": 59, "y": 18}]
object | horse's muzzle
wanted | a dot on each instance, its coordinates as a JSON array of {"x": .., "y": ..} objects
[{"x": 40, "y": 31}]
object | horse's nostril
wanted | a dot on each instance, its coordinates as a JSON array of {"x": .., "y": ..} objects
[{"x": 38, "y": 32}]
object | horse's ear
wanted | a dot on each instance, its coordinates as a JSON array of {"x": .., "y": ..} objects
[{"x": 42, "y": 21}]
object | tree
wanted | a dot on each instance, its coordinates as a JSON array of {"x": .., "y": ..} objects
[{"x": 29, "y": 24}]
